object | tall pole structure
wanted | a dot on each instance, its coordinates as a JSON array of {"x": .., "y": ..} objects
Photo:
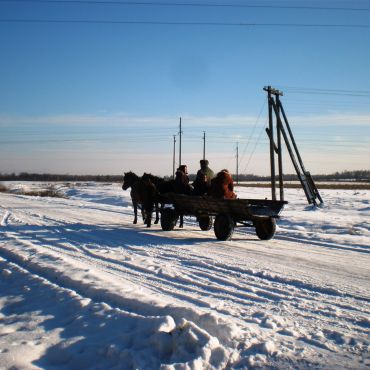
[
  {"x": 174, "y": 156},
  {"x": 180, "y": 133},
  {"x": 308, "y": 185},
  {"x": 237, "y": 163},
  {"x": 280, "y": 155},
  {"x": 204, "y": 145},
  {"x": 272, "y": 149}
]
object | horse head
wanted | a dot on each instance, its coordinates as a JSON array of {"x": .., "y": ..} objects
[
  {"x": 153, "y": 179},
  {"x": 129, "y": 179},
  {"x": 147, "y": 177}
]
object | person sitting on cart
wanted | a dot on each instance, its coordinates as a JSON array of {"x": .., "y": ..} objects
[
  {"x": 182, "y": 185},
  {"x": 222, "y": 186},
  {"x": 204, "y": 169},
  {"x": 201, "y": 185}
]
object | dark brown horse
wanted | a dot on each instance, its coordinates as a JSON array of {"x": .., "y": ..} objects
[
  {"x": 162, "y": 186},
  {"x": 168, "y": 186},
  {"x": 143, "y": 196}
]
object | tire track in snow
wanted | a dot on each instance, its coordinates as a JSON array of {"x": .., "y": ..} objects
[
  {"x": 126, "y": 299},
  {"x": 265, "y": 323},
  {"x": 243, "y": 292},
  {"x": 243, "y": 271},
  {"x": 151, "y": 278}
]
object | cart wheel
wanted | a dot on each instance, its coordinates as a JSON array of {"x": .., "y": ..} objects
[
  {"x": 265, "y": 229},
  {"x": 224, "y": 227},
  {"x": 168, "y": 219},
  {"x": 205, "y": 222}
]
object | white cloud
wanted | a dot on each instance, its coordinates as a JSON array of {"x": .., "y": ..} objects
[
  {"x": 337, "y": 119},
  {"x": 344, "y": 119},
  {"x": 143, "y": 147}
]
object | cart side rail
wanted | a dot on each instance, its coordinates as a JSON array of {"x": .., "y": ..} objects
[{"x": 238, "y": 208}]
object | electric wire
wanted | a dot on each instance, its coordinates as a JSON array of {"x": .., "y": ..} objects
[
  {"x": 321, "y": 89},
  {"x": 255, "y": 146},
  {"x": 182, "y": 4},
  {"x": 178, "y": 23},
  {"x": 318, "y": 91},
  {"x": 254, "y": 127},
  {"x": 328, "y": 93}
]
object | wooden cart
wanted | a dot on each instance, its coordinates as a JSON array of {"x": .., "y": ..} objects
[{"x": 226, "y": 213}]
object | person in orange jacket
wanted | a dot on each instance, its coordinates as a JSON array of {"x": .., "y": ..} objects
[{"x": 222, "y": 186}]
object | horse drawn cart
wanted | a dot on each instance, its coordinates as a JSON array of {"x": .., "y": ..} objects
[{"x": 227, "y": 213}]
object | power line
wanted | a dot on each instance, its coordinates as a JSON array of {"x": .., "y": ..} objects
[
  {"x": 254, "y": 127},
  {"x": 255, "y": 146},
  {"x": 363, "y": 94},
  {"x": 318, "y": 91},
  {"x": 328, "y": 93},
  {"x": 321, "y": 89},
  {"x": 176, "y": 23},
  {"x": 180, "y": 4}
]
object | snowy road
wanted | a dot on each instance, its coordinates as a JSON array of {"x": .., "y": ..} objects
[{"x": 123, "y": 296}]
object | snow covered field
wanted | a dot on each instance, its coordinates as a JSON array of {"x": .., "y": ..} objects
[{"x": 83, "y": 288}]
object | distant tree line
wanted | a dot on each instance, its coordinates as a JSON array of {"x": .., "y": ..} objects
[
  {"x": 25, "y": 176},
  {"x": 359, "y": 175}
]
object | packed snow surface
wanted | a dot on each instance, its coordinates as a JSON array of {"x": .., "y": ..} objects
[{"x": 81, "y": 287}]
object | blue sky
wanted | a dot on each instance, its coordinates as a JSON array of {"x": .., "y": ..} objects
[{"x": 106, "y": 98}]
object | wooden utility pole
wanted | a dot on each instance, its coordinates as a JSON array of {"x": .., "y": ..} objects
[
  {"x": 174, "y": 156},
  {"x": 237, "y": 163},
  {"x": 270, "y": 132},
  {"x": 282, "y": 124},
  {"x": 204, "y": 145},
  {"x": 280, "y": 155},
  {"x": 180, "y": 133}
]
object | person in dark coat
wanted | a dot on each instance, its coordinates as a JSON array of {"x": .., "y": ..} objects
[
  {"x": 201, "y": 185},
  {"x": 204, "y": 169},
  {"x": 182, "y": 185},
  {"x": 222, "y": 186}
]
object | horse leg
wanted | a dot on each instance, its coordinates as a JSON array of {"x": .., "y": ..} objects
[
  {"x": 149, "y": 211},
  {"x": 181, "y": 221},
  {"x": 149, "y": 220},
  {"x": 156, "y": 213},
  {"x": 135, "y": 211}
]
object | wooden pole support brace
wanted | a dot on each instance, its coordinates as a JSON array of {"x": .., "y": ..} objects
[{"x": 269, "y": 135}]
